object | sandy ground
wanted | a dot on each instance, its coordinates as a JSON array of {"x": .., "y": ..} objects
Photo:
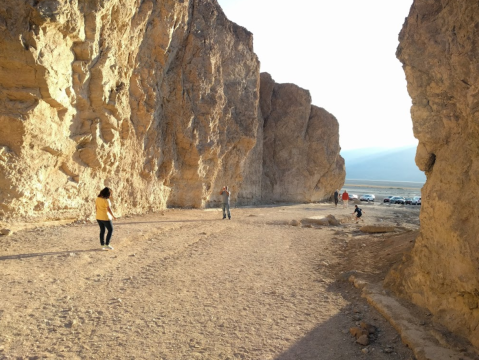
[{"x": 185, "y": 284}]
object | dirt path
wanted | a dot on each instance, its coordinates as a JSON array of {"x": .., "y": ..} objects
[{"x": 187, "y": 285}]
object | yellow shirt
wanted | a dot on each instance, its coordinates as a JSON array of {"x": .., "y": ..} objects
[{"x": 102, "y": 206}]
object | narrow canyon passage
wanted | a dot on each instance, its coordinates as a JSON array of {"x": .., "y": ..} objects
[{"x": 185, "y": 285}]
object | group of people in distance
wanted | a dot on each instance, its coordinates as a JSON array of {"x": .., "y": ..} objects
[
  {"x": 345, "y": 197},
  {"x": 104, "y": 214}
]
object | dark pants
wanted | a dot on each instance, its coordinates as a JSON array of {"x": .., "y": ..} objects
[
  {"x": 109, "y": 226},
  {"x": 226, "y": 208}
]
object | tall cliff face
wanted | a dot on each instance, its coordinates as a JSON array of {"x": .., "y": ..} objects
[
  {"x": 301, "y": 161},
  {"x": 439, "y": 51},
  {"x": 158, "y": 100}
]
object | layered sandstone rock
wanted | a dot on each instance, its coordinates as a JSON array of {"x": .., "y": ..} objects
[
  {"x": 439, "y": 51},
  {"x": 157, "y": 99}
]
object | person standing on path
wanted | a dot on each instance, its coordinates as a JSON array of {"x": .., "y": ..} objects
[
  {"x": 225, "y": 201},
  {"x": 345, "y": 199},
  {"x": 336, "y": 198},
  {"x": 103, "y": 213}
]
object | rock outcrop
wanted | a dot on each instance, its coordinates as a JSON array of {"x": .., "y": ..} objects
[
  {"x": 301, "y": 159},
  {"x": 439, "y": 51},
  {"x": 159, "y": 100}
]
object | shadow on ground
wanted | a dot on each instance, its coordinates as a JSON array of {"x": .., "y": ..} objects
[
  {"x": 26, "y": 256},
  {"x": 323, "y": 341}
]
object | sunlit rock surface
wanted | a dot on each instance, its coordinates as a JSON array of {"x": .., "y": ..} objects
[
  {"x": 159, "y": 100},
  {"x": 439, "y": 51}
]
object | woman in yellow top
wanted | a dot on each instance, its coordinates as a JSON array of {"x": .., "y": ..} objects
[{"x": 103, "y": 212}]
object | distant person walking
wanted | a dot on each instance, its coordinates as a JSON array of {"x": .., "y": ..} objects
[
  {"x": 336, "y": 198},
  {"x": 225, "y": 202},
  {"x": 359, "y": 213},
  {"x": 103, "y": 213},
  {"x": 345, "y": 198}
]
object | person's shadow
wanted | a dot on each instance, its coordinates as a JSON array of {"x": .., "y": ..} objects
[{"x": 53, "y": 253}]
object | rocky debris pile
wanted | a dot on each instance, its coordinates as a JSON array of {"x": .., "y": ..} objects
[{"x": 364, "y": 334}]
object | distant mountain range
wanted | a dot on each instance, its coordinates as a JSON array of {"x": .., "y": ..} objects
[{"x": 383, "y": 164}]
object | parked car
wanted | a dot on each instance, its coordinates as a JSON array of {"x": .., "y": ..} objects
[
  {"x": 367, "y": 198},
  {"x": 386, "y": 199},
  {"x": 416, "y": 200},
  {"x": 409, "y": 201},
  {"x": 397, "y": 200},
  {"x": 352, "y": 196}
]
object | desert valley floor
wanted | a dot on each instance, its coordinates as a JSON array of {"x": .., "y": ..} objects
[{"x": 185, "y": 284}]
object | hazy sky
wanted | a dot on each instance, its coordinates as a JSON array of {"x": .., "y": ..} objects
[{"x": 343, "y": 52}]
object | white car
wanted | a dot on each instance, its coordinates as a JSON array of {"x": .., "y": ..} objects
[
  {"x": 367, "y": 198},
  {"x": 416, "y": 200},
  {"x": 352, "y": 196}
]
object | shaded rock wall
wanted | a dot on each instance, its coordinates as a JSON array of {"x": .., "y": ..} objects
[
  {"x": 439, "y": 50},
  {"x": 301, "y": 161},
  {"x": 157, "y": 99}
]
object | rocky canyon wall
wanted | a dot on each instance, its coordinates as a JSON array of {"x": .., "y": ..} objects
[
  {"x": 301, "y": 160},
  {"x": 159, "y": 100},
  {"x": 439, "y": 50}
]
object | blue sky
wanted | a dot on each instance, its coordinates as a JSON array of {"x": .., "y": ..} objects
[{"x": 343, "y": 52}]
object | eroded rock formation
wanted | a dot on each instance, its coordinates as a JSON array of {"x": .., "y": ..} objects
[
  {"x": 439, "y": 51},
  {"x": 301, "y": 159},
  {"x": 157, "y": 99}
]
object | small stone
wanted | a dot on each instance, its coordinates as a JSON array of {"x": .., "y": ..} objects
[
  {"x": 356, "y": 317},
  {"x": 388, "y": 349},
  {"x": 71, "y": 324},
  {"x": 363, "y": 340},
  {"x": 6, "y": 232},
  {"x": 357, "y": 332},
  {"x": 365, "y": 350},
  {"x": 371, "y": 329}
]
